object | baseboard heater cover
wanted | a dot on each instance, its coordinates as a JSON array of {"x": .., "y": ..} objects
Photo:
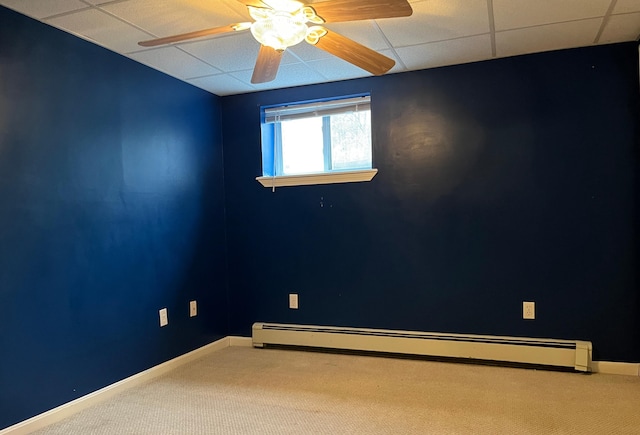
[{"x": 537, "y": 351}]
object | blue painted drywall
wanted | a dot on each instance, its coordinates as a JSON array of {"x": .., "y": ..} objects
[
  {"x": 499, "y": 182},
  {"x": 510, "y": 180},
  {"x": 111, "y": 207}
]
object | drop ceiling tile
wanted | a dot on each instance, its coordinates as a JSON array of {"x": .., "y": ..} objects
[
  {"x": 229, "y": 53},
  {"x": 175, "y": 62},
  {"x": 223, "y": 84},
  {"x": 102, "y": 29},
  {"x": 288, "y": 58},
  {"x": 454, "y": 51},
  {"x": 170, "y": 17},
  {"x": 621, "y": 28},
  {"x": 625, "y": 6},
  {"x": 43, "y": 8},
  {"x": 308, "y": 52},
  {"x": 337, "y": 69},
  {"x": 294, "y": 74},
  {"x": 545, "y": 38},
  {"x": 513, "y": 14},
  {"x": 366, "y": 33},
  {"x": 334, "y": 68},
  {"x": 437, "y": 21},
  {"x": 441, "y": 32},
  {"x": 399, "y": 66}
]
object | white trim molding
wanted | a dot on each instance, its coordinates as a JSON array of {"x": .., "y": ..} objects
[
  {"x": 616, "y": 368},
  {"x": 319, "y": 178},
  {"x": 235, "y": 341},
  {"x": 68, "y": 409}
]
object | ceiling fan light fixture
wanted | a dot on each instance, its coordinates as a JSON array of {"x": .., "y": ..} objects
[
  {"x": 280, "y": 29},
  {"x": 279, "y": 24},
  {"x": 284, "y": 5},
  {"x": 238, "y": 27},
  {"x": 314, "y": 34}
]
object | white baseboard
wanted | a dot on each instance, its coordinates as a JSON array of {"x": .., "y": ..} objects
[
  {"x": 240, "y": 341},
  {"x": 616, "y": 368},
  {"x": 63, "y": 411}
]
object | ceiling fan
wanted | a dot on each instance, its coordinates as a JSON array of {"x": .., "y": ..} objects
[{"x": 283, "y": 23}]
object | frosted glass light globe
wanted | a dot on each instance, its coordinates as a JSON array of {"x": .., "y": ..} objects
[{"x": 280, "y": 29}]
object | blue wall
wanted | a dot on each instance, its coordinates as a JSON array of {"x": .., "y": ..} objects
[
  {"x": 499, "y": 182},
  {"x": 503, "y": 181},
  {"x": 111, "y": 207}
]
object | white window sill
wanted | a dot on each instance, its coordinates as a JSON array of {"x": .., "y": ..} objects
[{"x": 322, "y": 178}]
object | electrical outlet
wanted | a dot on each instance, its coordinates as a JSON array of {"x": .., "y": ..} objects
[
  {"x": 193, "y": 309},
  {"x": 529, "y": 310},
  {"x": 293, "y": 301},
  {"x": 164, "y": 317}
]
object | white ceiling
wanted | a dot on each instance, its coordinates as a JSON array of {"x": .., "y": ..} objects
[{"x": 440, "y": 32}]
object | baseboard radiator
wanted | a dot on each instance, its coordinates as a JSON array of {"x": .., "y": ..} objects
[{"x": 536, "y": 351}]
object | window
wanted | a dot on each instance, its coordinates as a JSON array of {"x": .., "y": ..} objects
[{"x": 317, "y": 142}]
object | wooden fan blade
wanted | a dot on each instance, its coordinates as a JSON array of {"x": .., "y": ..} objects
[
  {"x": 266, "y": 65},
  {"x": 254, "y": 3},
  {"x": 334, "y": 11},
  {"x": 197, "y": 34},
  {"x": 355, "y": 53}
]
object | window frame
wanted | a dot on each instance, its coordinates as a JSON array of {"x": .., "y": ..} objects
[{"x": 270, "y": 148}]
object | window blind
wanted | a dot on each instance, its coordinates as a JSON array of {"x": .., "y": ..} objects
[{"x": 323, "y": 108}]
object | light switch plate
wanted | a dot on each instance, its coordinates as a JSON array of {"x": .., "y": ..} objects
[
  {"x": 193, "y": 309},
  {"x": 164, "y": 317}
]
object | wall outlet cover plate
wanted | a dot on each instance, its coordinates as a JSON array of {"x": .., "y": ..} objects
[
  {"x": 529, "y": 310},
  {"x": 293, "y": 301}
]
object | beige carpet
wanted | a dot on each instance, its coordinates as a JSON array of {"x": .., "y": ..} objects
[{"x": 267, "y": 391}]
